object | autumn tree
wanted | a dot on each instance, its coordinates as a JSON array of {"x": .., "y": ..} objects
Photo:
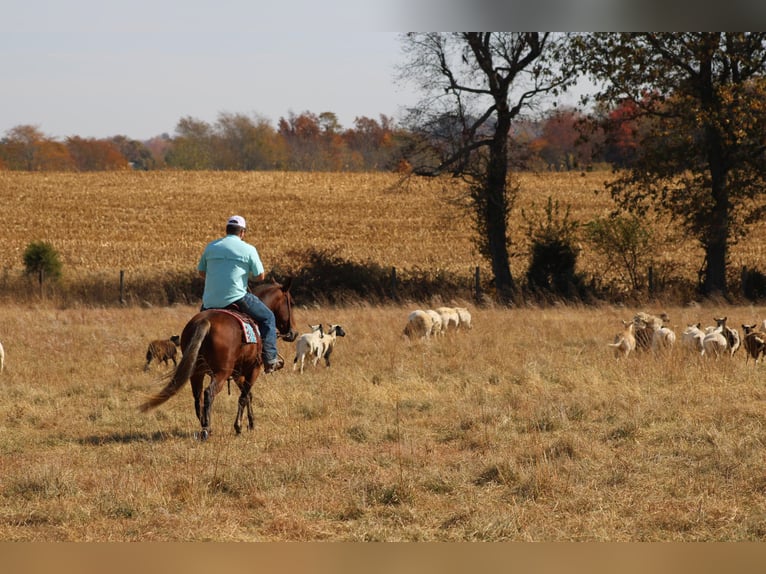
[
  {"x": 90, "y": 154},
  {"x": 245, "y": 143},
  {"x": 193, "y": 146},
  {"x": 26, "y": 148},
  {"x": 475, "y": 85},
  {"x": 136, "y": 153},
  {"x": 702, "y": 97}
]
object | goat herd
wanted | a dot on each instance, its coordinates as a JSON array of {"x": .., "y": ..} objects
[{"x": 647, "y": 332}]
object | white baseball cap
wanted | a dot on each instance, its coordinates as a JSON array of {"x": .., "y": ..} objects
[{"x": 237, "y": 220}]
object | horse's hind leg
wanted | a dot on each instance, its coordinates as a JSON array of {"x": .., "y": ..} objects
[
  {"x": 209, "y": 396},
  {"x": 196, "y": 384}
]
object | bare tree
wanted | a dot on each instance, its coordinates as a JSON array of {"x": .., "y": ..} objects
[{"x": 474, "y": 85}]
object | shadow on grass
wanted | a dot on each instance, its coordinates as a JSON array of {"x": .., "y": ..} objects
[{"x": 131, "y": 437}]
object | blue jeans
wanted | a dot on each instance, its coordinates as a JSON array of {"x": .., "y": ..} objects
[{"x": 264, "y": 316}]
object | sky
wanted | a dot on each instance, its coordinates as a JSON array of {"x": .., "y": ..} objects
[{"x": 100, "y": 68}]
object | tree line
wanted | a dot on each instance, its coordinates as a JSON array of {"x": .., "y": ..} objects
[{"x": 556, "y": 140}]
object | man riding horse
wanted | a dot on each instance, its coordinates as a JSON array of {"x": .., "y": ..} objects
[{"x": 226, "y": 264}]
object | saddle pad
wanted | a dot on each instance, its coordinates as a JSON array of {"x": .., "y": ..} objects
[{"x": 249, "y": 330}]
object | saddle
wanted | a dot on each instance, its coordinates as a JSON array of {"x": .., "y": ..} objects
[{"x": 250, "y": 331}]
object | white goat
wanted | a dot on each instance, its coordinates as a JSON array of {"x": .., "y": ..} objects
[
  {"x": 692, "y": 337},
  {"x": 754, "y": 342},
  {"x": 308, "y": 344},
  {"x": 419, "y": 324},
  {"x": 624, "y": 342},
  {"x": 327, "y": 343},
  {"x": 436, "y": 325}
]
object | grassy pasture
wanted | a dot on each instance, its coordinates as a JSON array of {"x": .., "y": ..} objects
[{"x": 525, "y": 428}]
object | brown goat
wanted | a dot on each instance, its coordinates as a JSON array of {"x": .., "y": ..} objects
[
  {"x": 163, "y": 350},
  {"x": 754, "y": 343}
]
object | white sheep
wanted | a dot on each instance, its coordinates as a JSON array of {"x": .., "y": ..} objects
[
  {"x": 732, "y": 335},
  {"x": 464, "y": 318},
  {"x": 2, "y": 357},
  {"x": 663, "y": 340},
  {"x": 437, "y": 328},
  {"x": 714, "y": 342},
  {"x": 450, "y": 318},
  {"x": 308, "y": 344},
  {"x": 692, "y": 337},
  {"x": 327, "y": 343},
  {"x": 419, "y": 324},
  {"x": 624, "y": 342}
]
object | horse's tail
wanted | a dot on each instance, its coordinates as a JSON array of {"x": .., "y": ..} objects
[{"x": 183, "y": 371}]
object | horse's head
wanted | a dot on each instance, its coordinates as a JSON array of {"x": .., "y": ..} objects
[{"x": 278, "y": 298}]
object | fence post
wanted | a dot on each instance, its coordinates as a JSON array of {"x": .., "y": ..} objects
[
  {"x": 477, "y": 284},
  {"x": 393, "y": 283},
  {"x": 122, "y": 287},
  {"x": 650, "y": 276}
]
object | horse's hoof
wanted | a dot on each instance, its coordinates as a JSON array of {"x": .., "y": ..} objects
[{"x": 204, "y": 435}]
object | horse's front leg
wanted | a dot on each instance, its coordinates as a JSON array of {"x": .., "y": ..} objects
[{"x": 244, "y": 403}]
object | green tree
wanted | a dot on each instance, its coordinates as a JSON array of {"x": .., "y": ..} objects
[
  {"x": 700, "y": 154},
  {"x": 553, "y": 257},
  {"x": 42, "y": 259},
  {"x": 476, "y": 84}
]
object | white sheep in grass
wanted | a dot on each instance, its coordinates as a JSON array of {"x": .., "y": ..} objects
[
  {"x": 327, "y": 342},
  {"x": 714, "y": 343},
  {"x": 437, "y": 328},
  {"x": 450, "y": 318},
  {"x": 419, "y": 324},
  {"x": 692, "y": 338},
  {"x": 624, "y": 342},
  {"x": 732, "y": 335},
  {"x": 663, "y": 340},
  {"x": 2, "y": 357},
  {"x": 308, "y": 344},
  {"x": 464, "y": 318},
  {"x": 754, "y": 342}
]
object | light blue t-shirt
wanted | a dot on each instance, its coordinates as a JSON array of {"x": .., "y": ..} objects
[{"x": 227, "y": 263}]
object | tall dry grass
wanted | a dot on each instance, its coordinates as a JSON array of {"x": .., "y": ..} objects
[{"x": 525, "y": 429}]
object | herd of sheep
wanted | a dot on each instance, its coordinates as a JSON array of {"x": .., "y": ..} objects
[
  {"x": 436, "y": 322},
  {"x": 649, "y": 332}
]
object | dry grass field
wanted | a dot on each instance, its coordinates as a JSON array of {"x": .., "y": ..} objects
[{"x": 526, "y": 428}]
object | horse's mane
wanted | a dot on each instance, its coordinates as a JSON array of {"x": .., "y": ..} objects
[{"x": 269, "y": 286}]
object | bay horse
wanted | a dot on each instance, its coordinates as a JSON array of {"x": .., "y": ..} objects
[{"x": 212, "y": 344}]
